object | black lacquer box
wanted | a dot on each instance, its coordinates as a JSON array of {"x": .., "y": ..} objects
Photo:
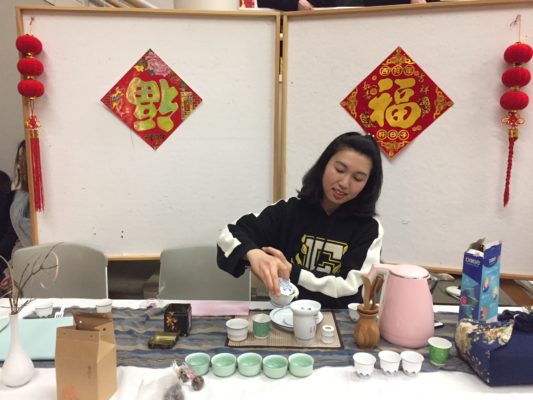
[{"x": 178, "y": 318}]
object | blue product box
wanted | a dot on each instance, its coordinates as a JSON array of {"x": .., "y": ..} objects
[{"x": 480, "y": 283}]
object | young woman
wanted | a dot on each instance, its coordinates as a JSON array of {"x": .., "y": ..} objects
[
  {"x": 20, "y": 207},
  {"x": 323, "y": 239}
]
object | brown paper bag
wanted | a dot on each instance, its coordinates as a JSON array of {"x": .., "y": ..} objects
[{"x": 86, "y": 358}]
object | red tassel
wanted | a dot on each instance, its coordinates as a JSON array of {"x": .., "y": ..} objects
[
  {"x": 38, "y": 197},
  {"x": 512, "y": 140}
]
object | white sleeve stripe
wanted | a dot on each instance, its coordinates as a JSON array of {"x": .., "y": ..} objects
[
  {"x": 335, "y": 286},
  {"x": 227, "y": 242}
]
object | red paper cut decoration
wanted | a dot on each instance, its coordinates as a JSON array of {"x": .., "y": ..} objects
[
  {"x": 247, "y": 4},
  {"x": 151, "y": 99},
  {"x": 29, "y": 87},
  {"x": 396, "y": 102},
  {"x": 514, "y": 100}
]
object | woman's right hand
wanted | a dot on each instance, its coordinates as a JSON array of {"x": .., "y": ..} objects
[
  {"x": 268, "y": 269},
  {"x": 304, "y": 5}
]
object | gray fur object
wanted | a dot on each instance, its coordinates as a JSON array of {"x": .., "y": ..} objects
[{"x": 174, "y": 393}]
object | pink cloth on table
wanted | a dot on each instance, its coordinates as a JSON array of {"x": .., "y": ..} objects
[{"x": 217, "y": 308}]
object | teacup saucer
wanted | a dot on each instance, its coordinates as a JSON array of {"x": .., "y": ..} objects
[
  {"x": 282, "y": 317},
  {"x": 288, "y": 319}
]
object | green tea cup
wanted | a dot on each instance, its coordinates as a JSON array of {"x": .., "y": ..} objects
[{"x": 439, "y": 350}]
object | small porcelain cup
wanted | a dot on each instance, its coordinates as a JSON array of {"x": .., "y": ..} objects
[
  {"x": 439, "y": 350},
  {"x": 261, "y": 325},
  {"x": 301, "y": 364},
  {"x": 328, "y": 334},
  {"x": 249, "y": 364},
  {"x": 223, "y": 364},
  {"x": 237, "y": 329},
  {"x": 364, "y": 364},
  {"x": 104, "y": 306},
  {"x": 44, "y": 308},
  {"x": 198, "y": 362},
  {"x": 352, "y": 311},
  {"x": 411, "y": 362},
  {"x": 389, "y": 361},
  {"x": 275, "y": 366}
]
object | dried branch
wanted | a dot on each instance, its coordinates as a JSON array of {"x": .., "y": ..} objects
[{"x": 34, "y": 267}]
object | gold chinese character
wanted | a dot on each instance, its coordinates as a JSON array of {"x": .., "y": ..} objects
[
  {"x": 145, "y": 95},
  {"x": 402, "y": 113}
]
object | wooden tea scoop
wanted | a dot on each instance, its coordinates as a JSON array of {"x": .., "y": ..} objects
[
  {"x": 367, "y": 289},
  {"x": 378, "y": 282}
]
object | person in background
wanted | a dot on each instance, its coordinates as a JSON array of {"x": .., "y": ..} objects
[
  {"x": 305, "y": 5},
  {"x": 8, "y": 236},
  {"x": 20, "y": 207},
  {"x": 295, "y": 5},
  {"x": 371, "y": 3},
  {"x": 324, "y": 238}
]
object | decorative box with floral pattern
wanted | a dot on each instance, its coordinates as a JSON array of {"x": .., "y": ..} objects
[{"x": 501, "y": 352}]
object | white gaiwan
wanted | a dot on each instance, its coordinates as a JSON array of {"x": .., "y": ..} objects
[{"x": 288, "y": 292}]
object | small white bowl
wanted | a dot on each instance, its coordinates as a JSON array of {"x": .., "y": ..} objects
[
  {"x": 237, "y": 329},
  {"x": 389, "y": 361},
  {"x": 364, "y": 364},
  {"x": 44, "y": 308},
  {"x": 352, "y": 310},
  {"x": 104, "y": 306},
  {"x": 411, "y": 362}
]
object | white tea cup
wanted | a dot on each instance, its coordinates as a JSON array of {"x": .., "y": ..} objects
[
  {"x": 44, "y": 308},
  {"x": 352, "y": 311},
  {"x": 389, "y": 361},
  {"x": 364, "y": 364},
  {"x": 104, "y": 306},
  {"x": 411, "y": 362}
]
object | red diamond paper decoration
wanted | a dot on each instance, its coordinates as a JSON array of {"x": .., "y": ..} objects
[
  {"x": 152, "y": 99},
  {"x": 396, "y": 102}
]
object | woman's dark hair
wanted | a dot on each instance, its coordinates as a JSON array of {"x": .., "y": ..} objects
[
  {"x": 365, "y": 202},
  {"x": 21, "y": 168},
  {"x": 5, "y": 183}
]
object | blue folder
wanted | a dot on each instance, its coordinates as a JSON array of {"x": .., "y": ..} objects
[{"x": 38, "y": 336}]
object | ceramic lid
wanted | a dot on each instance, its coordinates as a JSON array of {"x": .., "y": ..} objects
[
  {"x": 409, "y": 271},
  {"x": 286, "y": 287}
]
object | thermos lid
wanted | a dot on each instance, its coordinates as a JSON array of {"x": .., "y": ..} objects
[{"x": 409, "y": 271}]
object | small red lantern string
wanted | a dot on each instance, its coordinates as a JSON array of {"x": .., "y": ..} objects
[
  {"x": 31, "y": 88},
  {"x": 514, "y": 100}
]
